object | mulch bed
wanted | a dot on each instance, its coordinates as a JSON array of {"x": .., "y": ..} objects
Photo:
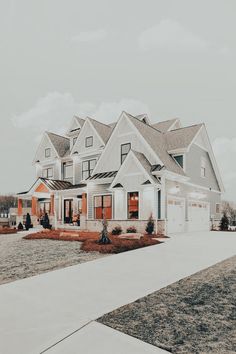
[
  {"x": 90, "y": 240},
  {"x": 196, "y": 315},
  {"x": 7, "y": 231}
]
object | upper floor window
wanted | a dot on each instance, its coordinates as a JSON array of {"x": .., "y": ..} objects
[
  {"x": 217, "y": 208},
  {"x": 67, "y": 170},
  {"x": 87, "y": 168},
  {"x": 48, "y": 152},
  {"x": 133, "y": 205},
  {"x": 88, "y": 141},
  {"x": 179, "y": 159},
  {"x": 125, "y": 148},
  {"x": 48, "y": 172},
  {"x": 203, "y": 167}
]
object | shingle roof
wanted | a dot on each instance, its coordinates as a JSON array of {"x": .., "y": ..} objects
[
  {"x": 80, "y": 120},
  {"x": 165, "y": 125},
  {"x": 103, "y": 130},
  {"x": 181, "y": 138},
  {"x": 60, "y": 143},
  {"x": 146, "y": 164},
  {"x": 157, "y": 142}
]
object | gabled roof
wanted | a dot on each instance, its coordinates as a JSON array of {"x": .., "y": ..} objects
[
  {"x": 157, "y": 142},
  {"x": 146, "y": 165},
  {"x": 80, "y": 120},
  {"x": 102, "y": 129},
  {"x": 60, "y": 143},
  {"x": 165, "y": 125},
  {"x": 181, "y": 138}
]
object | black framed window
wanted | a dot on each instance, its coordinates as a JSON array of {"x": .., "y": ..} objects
[
  {"x": 48, "y": 172},
  {"x": 88, "y": 141},
  {"x": 133, "y": 205},
  {"x": 103, "y": 207},
  {"x": 124, "y": 150},
  {"x": 179, "y": 159},
  {"x": 87, "y": 168},
  {"x": 47, "y": 152},
  {"x": 67, "y": 170}
]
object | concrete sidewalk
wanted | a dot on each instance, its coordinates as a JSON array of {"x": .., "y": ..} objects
[{"x": 40, "y": 311}]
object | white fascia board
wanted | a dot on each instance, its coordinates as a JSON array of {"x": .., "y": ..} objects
[
  {"x": 173, "y": 124},
  {"x": 171, "y": 175},
  {"x": 177, "y": 151}
]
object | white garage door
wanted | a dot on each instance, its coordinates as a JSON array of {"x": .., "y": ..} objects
[
  {"x": 175, "y": 215},
  {"x": 198, "y": 216}
]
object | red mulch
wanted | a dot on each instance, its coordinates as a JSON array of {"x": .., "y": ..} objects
[
  {"x": 90, "y": 240},
  {"x": 7, "y": 231}
]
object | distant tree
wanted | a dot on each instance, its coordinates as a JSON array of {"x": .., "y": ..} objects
[
  {"x": 229, "y": 210},
  {"x": 104, "y": 236},
  {"x": 7, "y": 202},
  {"x": 224, "y": 223},
  {"x": 150, "y": 225}
]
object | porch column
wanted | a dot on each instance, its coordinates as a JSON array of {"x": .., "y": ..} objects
[
  {"x": 20, "y": 207},
  {"x": 84, "y": 204},
  {"x": 34, "y": 206},
  {"x": 52, "y": 204}
]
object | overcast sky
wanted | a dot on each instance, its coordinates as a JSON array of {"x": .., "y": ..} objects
[{"x": 64, "y": 57}]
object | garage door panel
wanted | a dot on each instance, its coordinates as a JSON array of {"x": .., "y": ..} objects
[
  {"x": 175, "y": 215},
  {"x": 198, "y": 216}
]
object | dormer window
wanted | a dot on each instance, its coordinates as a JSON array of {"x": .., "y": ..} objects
[
  {"x": 125, "y": 148},
  {"x": 88, "y": 141},
  {"x": 48, "y": 152},
  {"x": 179, "y": 159}
]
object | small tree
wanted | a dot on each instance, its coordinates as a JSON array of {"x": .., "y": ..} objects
[
  {"x": 224, "y": 224},
  {"x": 20, "y": 226},
  {"x": 104, "y": 237},
  {"x": 150, "y": 225},
  {"x": 28, "y": 221}
]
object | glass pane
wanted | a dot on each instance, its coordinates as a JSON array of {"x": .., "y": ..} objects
[
  {"x": 85, "y": 174},
  {"x": 125, "y": 148},
  {"x": 107, "y": 201},
  {"x": 92, "y": 164},
  {"x": 98, "y": 201},
  {"x": 133, "y": 205},
  {"x": 85, "y": 165},
  {"x": 180, "y": 160}
]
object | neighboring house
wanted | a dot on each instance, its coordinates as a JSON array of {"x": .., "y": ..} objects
[{"x": 125, "y": 172}]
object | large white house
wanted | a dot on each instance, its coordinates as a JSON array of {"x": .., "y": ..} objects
[{"x": 125, "y": 172}]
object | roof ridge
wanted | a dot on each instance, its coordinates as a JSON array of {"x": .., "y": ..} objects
[
  {"x": 145, "y": 124},
  {"x": 97, "y": 121},
  {"x": 60, "y": 136},
  {"x": 188, "y": 126}
]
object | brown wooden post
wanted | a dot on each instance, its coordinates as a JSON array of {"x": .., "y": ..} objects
[
  {"x": 34, "y": 206},
  {"x": 84, "y": 204},
  {"x": 20, "y": 207}
]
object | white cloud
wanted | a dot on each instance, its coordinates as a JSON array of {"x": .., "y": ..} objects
[
  {"x": 91, "y": 36},
  {"x": 170, "y": 35},
  {"x": 225, "y": 152},
  {"x": 55, "y": 111}
]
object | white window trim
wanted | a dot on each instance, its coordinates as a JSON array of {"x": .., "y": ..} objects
[
  {"x": 139, "y": 205},
  {"x": 45, "y": 153},
  {"x": 93, "y": 204}
]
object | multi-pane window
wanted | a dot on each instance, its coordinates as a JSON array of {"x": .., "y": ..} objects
[
  {"x": 88, "y": 141},
  {"x": 47, "y": 152},
  {"x": 133, "y": 205},
  {"x": 103, "y": 207},
  {"x": 125, "y": 148},
  {"x": 203, "y": 167},
  {"x": 179, "y": 159},
  {"x": 87, "y": 168},
  {"x": 48, "y": 172},
  {"x": 67, "y": 170}
]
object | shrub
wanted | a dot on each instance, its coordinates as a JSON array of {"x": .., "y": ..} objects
[
  {"x": 150, "y": 225},
  {"x": 28, "y": 221},
  {"x": 224, "y": 223},
  {"x": 117, "y": 230},
  {"x": 20, "y": 226},
  {"x": 131, "y": 230}
]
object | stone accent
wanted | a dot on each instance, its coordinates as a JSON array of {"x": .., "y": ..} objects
[{"x": 140, "y": 225}]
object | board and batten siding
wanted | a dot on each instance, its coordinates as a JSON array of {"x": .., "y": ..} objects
[{"x": 93, "y": 190}]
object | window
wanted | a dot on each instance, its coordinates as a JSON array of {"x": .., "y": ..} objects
[
  {"x": 124, "y": 151},
  {"x": 217, "y": 208},
  {"x": 179, "y": 159},
  {"x": 87, "y": 168},
  {"x": 74, "y": 140},
  {"x": 203, "y": 167},
  {"x": 67, "y": 170},
  {"x": 48, "y": 172},
  {"x": 88, "y": 141},
  {"x": 103, "y": 207},
  {"x": 47, "y": 152},
  {"x": 133, "y": 205}
]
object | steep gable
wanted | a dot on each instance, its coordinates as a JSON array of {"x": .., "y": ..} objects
[
  {"x": 75, "y": 126},
  {"x": 60, "y": 143},
  {"x": 167, "y": 125},
  {"x": 181, "y": 138},
  {"x": 44, "y": 144}
]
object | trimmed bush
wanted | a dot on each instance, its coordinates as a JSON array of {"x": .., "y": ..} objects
[
  {"x": 117, "y": 230},
  {"x": 224, "y": 223},
  {"x": 150, "y": 225},
  {"x": 131, "y": 230}
]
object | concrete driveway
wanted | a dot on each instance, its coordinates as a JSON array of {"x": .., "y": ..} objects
[{"x": 58, "y": 307}]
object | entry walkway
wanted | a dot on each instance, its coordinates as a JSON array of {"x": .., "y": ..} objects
[{"x": 38, "y": 312}]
